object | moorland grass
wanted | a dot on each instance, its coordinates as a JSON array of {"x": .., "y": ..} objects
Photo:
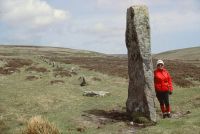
[{"x": 64, "y": 105}]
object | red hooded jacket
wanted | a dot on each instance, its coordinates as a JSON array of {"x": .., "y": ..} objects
[{"x": 162, "y": 80}]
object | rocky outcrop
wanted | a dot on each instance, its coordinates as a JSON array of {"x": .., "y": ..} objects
[{"x": 141, "y": 89}]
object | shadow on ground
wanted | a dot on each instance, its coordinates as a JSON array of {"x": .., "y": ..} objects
[{"x": 112, "y": 115}]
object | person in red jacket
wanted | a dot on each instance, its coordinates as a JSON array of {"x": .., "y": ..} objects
[{"x": 163, "y": 87}]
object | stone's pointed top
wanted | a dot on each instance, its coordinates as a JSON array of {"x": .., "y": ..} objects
[
  {"x": 144, "y": 7},
  {"x": 140, "y": 9}
]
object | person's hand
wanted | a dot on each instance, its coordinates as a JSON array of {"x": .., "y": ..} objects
[{"x": 170, "y": 92}]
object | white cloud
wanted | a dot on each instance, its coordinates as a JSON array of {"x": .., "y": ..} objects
[
  {"x": 175, "y": 21},
  {"x": 103, "y": 30},
  {"x": 30, "y": 13},
  {"x": 99, "y": 27},
  {"x": 166, "y": 16},
  {"x": 182, "y": 18}
]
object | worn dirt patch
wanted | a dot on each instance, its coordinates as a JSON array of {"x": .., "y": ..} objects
[
  {"x": 109, "y": 116},
  {"x": 101, "y": 118}
]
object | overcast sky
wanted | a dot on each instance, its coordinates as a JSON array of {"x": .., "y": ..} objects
[{"x": 97, "y": 25}]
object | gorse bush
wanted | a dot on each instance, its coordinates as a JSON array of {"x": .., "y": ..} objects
[{"x": 38, "y": 125}]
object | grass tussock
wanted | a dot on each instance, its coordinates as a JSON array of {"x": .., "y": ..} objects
[{"x": 38, "y": 125}]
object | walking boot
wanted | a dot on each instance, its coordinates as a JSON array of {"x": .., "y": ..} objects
[
  {"x": 168, "y": 111},
  {"x": 168, "y": 115},
  {"x": 164, "y": 115}
]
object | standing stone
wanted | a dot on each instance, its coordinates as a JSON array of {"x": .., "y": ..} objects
[{"x": 141, "y": 92}]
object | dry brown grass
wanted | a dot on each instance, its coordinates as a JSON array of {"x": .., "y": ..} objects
[
  {"x": 183, "y": 74},
  {"x": 6, "y": 54},
  {"x": 38, "y": 125},
  {"x": 8, "y": 70},
  {"x": 13, "y": 65},
  {"x": 18, "y": 63},
  {"x": 108, "y": 65},
  {"x": 37, "y": 69}
]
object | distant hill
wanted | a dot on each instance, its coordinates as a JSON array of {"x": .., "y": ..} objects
[
  {"x": 187, "y": 55},
  {"x": 17, "y": 50}
]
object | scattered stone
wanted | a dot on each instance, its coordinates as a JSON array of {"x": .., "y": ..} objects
[
  {"x": 72, "y": 69},
  {"x": 96, "y": 93},
  {"x": 140, "y": 69},
  {"x": 82, "y": 81},
  {"x": 53, "y": 64},
  {"x": 131, "y": 123}
]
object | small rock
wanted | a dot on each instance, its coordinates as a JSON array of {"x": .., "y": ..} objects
[
  {"x": 131, "y": 123},
  {"x": 95, "y": 93}
]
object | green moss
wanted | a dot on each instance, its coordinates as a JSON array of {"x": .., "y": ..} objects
[{"x": 139, "y": 118}]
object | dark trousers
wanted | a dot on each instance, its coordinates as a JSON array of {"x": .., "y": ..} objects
[{"x": 163, "y": 98}]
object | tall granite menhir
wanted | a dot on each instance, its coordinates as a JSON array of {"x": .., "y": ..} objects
[{"x": 141, "y": 93}]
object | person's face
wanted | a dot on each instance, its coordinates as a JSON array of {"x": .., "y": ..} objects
[{"x": 160, "y": 66}]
